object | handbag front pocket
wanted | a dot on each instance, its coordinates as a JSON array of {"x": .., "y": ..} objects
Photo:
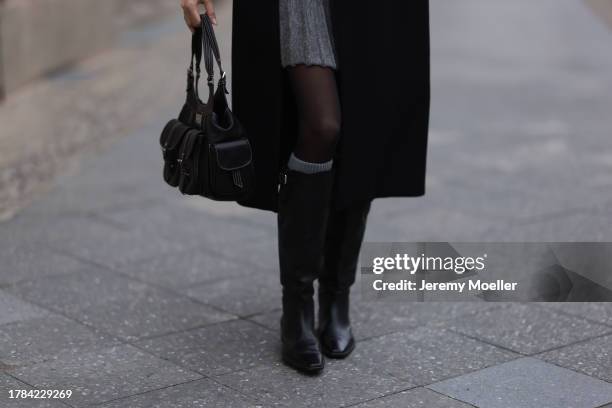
[
  {"x": 230, "y": 169},
  {"x": 190, "y": 157},
  {"x": 170, "y": 141}
]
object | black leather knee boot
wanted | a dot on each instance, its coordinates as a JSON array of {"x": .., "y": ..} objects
[
  {"x": 343, "y": 240},
  {"x": 302, "y": 218}
]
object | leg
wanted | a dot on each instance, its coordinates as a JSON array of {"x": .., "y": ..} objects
[
  {"x": 343, "y": 240},
  {"x": 303, "y": 210},
  {"x": 319, "y": 116}
]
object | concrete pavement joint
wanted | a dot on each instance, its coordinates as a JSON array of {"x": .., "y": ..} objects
[
  {"x": 551, "y": 216},
  {"x": 571, "y": 369},
  {"x": 34, "y": 387},
  {"x": 570, "y": 345},
  {"x": 357, "y": 404},
  {"x": 195, "y": 246},
  {"x": 128, "y": 277},
  {"x": 568, "y": 314},
  {"x": 435, "y": 325},
  {"x": 104, "y": 220},
  {"x": 120, "y": 341},
  {"x": 519, "y": 354},
  {"x": 119, "y": 272},
  {"x": 144, "y": 392},
  {"x": 453, "y": 398},
  {"x": 179, "y": 364},
  {"x": 196, "y": 328},
  {"x": 522, "y": 354},
  {"x": 164, "y": 289},
  {"x": 213, "y": 253},
  {"x": 169, "y": 291}
]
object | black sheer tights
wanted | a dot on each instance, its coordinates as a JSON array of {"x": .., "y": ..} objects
[{"x": 318, "y": 108}]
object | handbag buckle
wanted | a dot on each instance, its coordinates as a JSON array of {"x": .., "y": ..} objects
[{"x": 282, "y": 178}]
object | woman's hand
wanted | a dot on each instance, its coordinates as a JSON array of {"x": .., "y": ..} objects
[{"x": 192, "y": 14}]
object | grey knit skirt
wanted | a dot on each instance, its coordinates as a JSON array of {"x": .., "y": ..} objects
[{"x": 305, "y": 33}]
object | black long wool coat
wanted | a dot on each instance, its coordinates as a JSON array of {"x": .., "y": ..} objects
[{"x": 383, "y": 81}]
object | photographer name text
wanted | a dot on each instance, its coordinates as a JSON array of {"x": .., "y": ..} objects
[{"x": 460, "y": 287}]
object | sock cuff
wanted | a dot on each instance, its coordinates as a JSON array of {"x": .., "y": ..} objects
[{"x": 302, "y": 166}]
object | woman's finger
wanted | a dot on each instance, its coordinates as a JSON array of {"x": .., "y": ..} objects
[
  {"x": 191, "y": 13},
  {"x": 188, "y": 23},
  {"x": 210, "y": 10}
]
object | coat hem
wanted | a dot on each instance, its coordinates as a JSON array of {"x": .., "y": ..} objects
[{"x": 274, "y": 208}]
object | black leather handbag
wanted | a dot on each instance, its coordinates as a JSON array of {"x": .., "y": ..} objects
[{"x": 206, "y": 151}]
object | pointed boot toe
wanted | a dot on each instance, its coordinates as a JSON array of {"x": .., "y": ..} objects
[
  {"x": 337, "y": 342},
  {"x": 308, "y": 360}
]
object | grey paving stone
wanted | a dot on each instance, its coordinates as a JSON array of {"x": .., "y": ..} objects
[
  {"x": 191, "y": 228},
  {"x": 374, "y": 318},
  {"x": 102, "y": 242},
  {"x": 270, "y": 320},
  {"x": 450, "y": 225},
  {"x": 527, "y": 329},
  {"x": 262, "y": 252},
  {"x": 415, "y": 398},
  {"x": 12, "y": 309},
  {"x": 69, "y": 293},
  {"x": 218, "y": 349},
  {"x": 264, "y": 221},
  {"x": 194, "y": 394},
  {"x": 120, "y": 306},
  {"x": 381, "y": 228},
  {"x": 187, "y": 268},
  {"x": 47, "y": 338},
  {"x": 339, "y": 385},
  {"x": 592, "y": 357},
  {"x": 22, "y": 262},
  {"x": 9, "y": 383},
  {"x": 241, "y": 296},
  {"x": 150, "y": 315},
  {"x": 527, "y": 383},
  {"x": 18, "y": 234},
  {"x": 597, "y": 311},
  {"x": 583, "y": 226},
  {"x": 457, "y": 202},
  {"x": 112, "y": 179},
  {"x": 101, "y": 375},
  {"x": 81, "y": 195},
  {"x": 426, "y": 355}
]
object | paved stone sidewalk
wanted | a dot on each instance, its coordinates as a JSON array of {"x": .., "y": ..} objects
[{"x": 115, "y": 287}]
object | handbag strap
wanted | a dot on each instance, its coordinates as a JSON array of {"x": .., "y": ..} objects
[
  {"x": 211, "y": 49},
  {"x": 196, "y": 56}
]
